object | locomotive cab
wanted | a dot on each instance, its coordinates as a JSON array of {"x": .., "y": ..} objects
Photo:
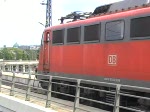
[{"x": 45, "y": 52}]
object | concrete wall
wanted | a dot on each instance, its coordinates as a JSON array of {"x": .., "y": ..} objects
[{"x": 11, "y": 104}]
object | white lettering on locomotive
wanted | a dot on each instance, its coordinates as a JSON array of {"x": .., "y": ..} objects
[
  {"x": 112, "y": 80},
  {"x": 112, "y": 59}
]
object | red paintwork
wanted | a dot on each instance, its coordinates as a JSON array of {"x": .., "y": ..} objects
[
  {"x": 133, "y": 57},
  {"x": 130, "y": 13},
  {"x": 92, "y": 59}
]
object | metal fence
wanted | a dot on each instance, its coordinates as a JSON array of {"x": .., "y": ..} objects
[{"x": 116, "y": 92}]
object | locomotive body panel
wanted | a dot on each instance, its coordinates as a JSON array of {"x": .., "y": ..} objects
[
  {"x": 125, "y": 59},
  {"x": 132, "y": 60}
]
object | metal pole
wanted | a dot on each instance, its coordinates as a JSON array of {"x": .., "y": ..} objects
[
  {"x": 50, "y": 12},
  {"x": 76, "y": 102},
  {"x": 28, "y": 88},
  {"x": 117, "y": 99},
  {"x": 0, "y": 80},
  {"x": 48, "y": 100},
  {"x": 3, "y": 66},
  {"x": 13, "y": 85}
]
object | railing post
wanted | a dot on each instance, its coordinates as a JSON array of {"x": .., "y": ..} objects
[
  {"x": 117, "y": 99},
  {"x": 3, "y": 66},
  {"x": 28, "y": 87},
  {"x": 0, "y": 80},
  {"x": 13, "y": 85},
  {"x": 76, "y": 102},
  {"x": 48, "y": 100}
]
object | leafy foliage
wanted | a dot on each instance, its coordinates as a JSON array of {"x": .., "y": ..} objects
[{"x": 17, "y": 54}]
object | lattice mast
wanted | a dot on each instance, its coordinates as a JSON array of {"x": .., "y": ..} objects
[
  {"x": 49, "y": 13},
  {"x": 48, "y": 4}
]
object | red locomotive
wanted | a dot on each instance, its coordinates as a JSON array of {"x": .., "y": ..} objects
[{"x": 113, "y": 45}]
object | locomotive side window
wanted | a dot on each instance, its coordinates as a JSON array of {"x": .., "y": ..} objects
[
  {"x": 140, "y": 27},
  {"x": 73, "y": 35},
  {"x": 58, "y": 37},
  {"x": 91, "y": 33},
  {"x": 114, "y": 30}
]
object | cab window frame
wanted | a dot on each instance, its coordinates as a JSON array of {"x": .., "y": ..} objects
[
  {"x": 137, "y": 37},
  {"x": 62, "y": 37},
  {"x": 99, "y": 33},
  {"x": 79, "y": 35}
]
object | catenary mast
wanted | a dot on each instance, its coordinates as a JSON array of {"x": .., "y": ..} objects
[
  {"x": 48, "y": 4},
  {"x": 49, "y": 13}
]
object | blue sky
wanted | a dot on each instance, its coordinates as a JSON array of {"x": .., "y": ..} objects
[{"x": 19, "y": 18}]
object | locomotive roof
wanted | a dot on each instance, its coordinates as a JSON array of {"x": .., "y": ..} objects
[
  {"x": 115, "y": 10},
  {"x": 126, "y": 4},
  {"x": 119, "y": 6}
]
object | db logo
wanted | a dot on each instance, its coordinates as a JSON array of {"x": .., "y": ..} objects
[{"x": 112, "y": 59}]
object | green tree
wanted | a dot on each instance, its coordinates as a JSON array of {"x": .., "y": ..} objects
[
  {"x": 16, "y": 54},
  {"x": 1, "y": 54},
  {"x": 24, "y": 56},
  {"x": 7, "y": 55}
]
